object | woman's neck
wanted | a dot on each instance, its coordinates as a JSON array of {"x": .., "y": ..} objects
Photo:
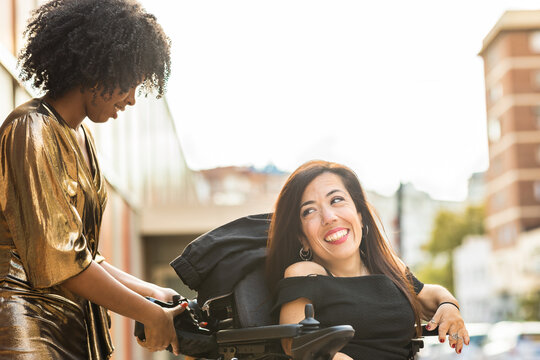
[
  {"x": 348, "y": 268},
  {"x": 70, "y": 106}
]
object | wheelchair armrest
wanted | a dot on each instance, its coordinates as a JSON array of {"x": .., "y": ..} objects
[
  {"x": 418, "y": 343},
  {"x": 318, "y": 344},
  {"x": 415, "y": 346},
  {"x": 321, "y": 344},
  {"x": 260, "y": 333}
]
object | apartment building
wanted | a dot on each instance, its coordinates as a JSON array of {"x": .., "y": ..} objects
[{"x": 511, "y": 53}]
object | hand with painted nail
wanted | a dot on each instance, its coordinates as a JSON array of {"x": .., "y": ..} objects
[{"x": 449, "y": 322}]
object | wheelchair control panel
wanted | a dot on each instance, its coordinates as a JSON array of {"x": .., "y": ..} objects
[{"x": 193, "y": 338}]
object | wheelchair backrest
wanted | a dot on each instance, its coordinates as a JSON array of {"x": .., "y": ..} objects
[
  {"x": 253, "y": 302},
  {"x": 249, "y": 305}
]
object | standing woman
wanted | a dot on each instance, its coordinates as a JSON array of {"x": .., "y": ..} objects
[
  {"x": 88, "y": 56},
  {"x": 325, "y": 248}
]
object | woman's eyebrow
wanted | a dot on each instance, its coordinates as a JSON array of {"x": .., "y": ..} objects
[
  {"x": 311, "y": 201},
  {"x": 334, "y": 191}
]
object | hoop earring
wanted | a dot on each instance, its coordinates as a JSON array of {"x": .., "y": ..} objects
[
  {"x": 362, "y": 254},
  {"x": 306, "y": 255},
  {"x": 364, "y": 233}
]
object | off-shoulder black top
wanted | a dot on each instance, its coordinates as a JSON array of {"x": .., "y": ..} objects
[{"x": 378, "y": 311}]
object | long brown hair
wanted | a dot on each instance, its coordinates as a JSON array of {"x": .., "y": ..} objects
[{"x": 286, "y": 228}]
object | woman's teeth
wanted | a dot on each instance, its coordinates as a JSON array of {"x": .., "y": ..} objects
[{"x": 336, "y": 236}]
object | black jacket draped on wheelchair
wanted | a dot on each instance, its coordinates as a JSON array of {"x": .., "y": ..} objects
[{"x": 226, "y": 268}]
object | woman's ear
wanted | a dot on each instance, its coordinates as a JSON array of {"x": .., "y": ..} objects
[
  {"x": 360, "y": 218},
  {"x": 303, "y": 242}
]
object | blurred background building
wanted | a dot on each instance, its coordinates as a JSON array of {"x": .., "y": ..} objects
[
  {"x": 511, "y": 56},
  {"x": 407, "y": 217},
  {"x": 505, "y": 265}
]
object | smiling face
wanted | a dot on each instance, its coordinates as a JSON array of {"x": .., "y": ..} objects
[
  {"x": 330, "y": 221},
  {"x": 100, "y": 108}
]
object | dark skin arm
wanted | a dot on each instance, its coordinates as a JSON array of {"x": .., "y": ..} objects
[
  {"x": 98, "y": 286},
  {"x": 141, "y": 287}
]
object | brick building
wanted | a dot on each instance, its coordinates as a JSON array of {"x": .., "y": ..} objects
[{"x": 511, "y": 53}]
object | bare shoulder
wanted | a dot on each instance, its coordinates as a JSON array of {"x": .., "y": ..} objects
[{"x": 304, "y": 268}]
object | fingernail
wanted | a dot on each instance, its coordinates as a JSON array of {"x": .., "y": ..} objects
[
  {"x": 184, "y": 305},
  {"x": 427, "y": 327},
  {"x": 453, "y": 346},
  {"x": 459, "y": 351},
  {"x": 441, "y": 340}
]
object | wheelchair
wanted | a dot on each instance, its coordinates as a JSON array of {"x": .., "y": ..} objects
[{"x": 226, "y": 267}]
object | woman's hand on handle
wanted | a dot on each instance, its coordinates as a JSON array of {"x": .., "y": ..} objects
[
  {"x": 448, "y": 321},
  {"x": 160, "y": 332},
  {"x": 163, "y": 294}
]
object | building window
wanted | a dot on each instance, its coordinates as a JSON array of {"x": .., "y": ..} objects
[
  {"x": 536, "y": 79},
  {"x": 494, "y": 129},
  {"x": 496, "y": 167},
  {"x": 534, "y": 42},
  {"x": 536, "y": 190},
  {"x": 506, "y": 234},
  {"x": 6, "y": 101},
  {"x": 535, "y": 260},
  {"x": 498, "y": 201},
  {"x": 495, "y": 92},
  {"x": 492, "y": 56},
  {"x": 536, "y": 115}
]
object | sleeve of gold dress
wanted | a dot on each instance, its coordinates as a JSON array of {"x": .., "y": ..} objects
[{"x": 39, "y": 197}]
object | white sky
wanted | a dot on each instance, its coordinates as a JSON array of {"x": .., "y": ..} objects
[{"x": 394, "y": 89}]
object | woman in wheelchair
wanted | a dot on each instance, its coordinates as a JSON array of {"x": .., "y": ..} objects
[{"x": 325, "y": 248}]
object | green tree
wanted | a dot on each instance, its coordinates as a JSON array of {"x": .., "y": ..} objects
[
  {"x": 530, "y": 307},
  {"x": 449, "y": 230},
  {"x": 436, "y": 271}
]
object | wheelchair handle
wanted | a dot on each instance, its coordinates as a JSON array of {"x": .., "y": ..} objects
[
  {"x": 139, "y": 327},
  {"x": 426, "y": 332},
  {"x": 193, "y": 339}
]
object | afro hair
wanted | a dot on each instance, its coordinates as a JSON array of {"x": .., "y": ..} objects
[{"x": 113, "y": 44}]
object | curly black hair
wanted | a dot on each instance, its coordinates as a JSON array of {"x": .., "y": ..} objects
[{"x": 87, "y": 43}]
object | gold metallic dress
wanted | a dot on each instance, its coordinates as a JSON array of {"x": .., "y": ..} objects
[{"x": 51, "y": 210}]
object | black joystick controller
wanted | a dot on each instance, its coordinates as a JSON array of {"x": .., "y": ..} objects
[{"x": 309, "y": 324}]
